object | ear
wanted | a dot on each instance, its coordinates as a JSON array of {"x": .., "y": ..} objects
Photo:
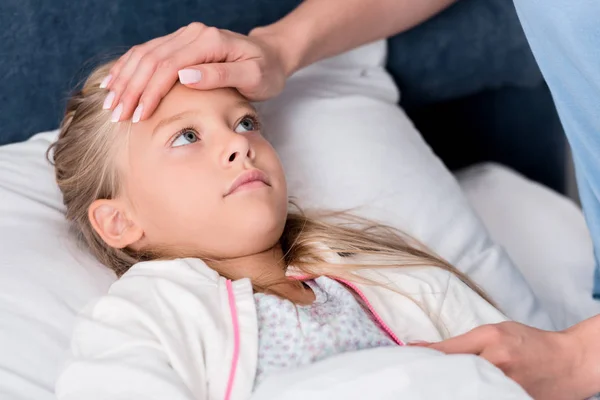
[{"x": 110, "y": 220}]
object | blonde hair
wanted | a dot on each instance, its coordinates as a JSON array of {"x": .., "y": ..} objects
[{"x": 85, "y": 172}]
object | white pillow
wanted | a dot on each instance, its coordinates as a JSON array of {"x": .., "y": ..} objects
[
  {"x": 44, "y": 277},
  {"x": 344, "y": 143},
  {"x": 545, "y": 234}
]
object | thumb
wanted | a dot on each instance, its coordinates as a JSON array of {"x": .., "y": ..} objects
[
  {"x": 237, "y": 74},
  {"x": 473, "y": 342}
]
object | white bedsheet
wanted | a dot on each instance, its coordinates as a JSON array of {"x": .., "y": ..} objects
[{"x": 392, "y": 373}]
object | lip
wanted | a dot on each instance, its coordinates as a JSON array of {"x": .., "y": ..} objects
[{"x": 254, "y": 175}]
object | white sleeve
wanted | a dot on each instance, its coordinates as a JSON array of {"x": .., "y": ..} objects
[
  {"x": 133, "y": 344},
  {"x": 463, "y": 309},
  {"x": 118, "y": 358}
]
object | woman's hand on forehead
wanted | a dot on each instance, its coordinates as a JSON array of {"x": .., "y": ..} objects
[{"x": 200, "y": 57}]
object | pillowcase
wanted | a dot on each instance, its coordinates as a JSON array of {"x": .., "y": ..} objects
[
  {"x": 545, "y": 234},
  {"x": 344, "y": 144},
  {"x": 45, "y": 275}
]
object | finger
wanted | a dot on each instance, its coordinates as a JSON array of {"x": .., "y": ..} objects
[
  {"x": 166, "y": 74},
  {"x": 135, "y": 55},
  {"x": 160, "y": 57},
  {"x": 116, "y": 69},
  {"x": 119, "y": 65},
  {"x": 122, "y": 71},
  {"x": 473, "y": 342},
  {"x": 243, "y": 75}
]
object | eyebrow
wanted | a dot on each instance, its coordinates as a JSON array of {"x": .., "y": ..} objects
[
  {"x": 167, "y": 121},
  {"x": 171, "y": 119}
]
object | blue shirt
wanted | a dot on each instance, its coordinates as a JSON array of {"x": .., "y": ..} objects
[{"x": 565, "y": 38}]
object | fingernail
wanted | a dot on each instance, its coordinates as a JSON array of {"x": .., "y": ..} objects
[
  {"x": 137, "y": 114},
  {"x": 109, "y": 100},
  {"x": 105, "y": 82},
  {"x": 187, "y": 76},
  {"x": 116, "y": 114}
]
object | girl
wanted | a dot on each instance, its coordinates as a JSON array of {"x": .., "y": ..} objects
[{"x": 219, "y": 285}]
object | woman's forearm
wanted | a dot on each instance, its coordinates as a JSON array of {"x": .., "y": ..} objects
[{"x": 322, "y": 28}]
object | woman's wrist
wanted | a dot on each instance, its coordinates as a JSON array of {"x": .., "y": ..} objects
[
  {"x": 288, "y": 45},
  {"x": 583, "y": 346}
]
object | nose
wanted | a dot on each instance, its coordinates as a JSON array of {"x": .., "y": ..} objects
[{"x": 238, "y": 149}]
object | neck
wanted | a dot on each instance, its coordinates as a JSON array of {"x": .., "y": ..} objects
[
  {"x": 266, "y": 270},
  {"x": 261, "y": 268}
]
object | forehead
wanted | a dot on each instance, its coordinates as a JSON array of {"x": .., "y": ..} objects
[{"x": 181, "y": 97}]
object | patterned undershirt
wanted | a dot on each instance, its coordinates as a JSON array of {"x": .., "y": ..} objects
[{"x": 291, "y": 335}]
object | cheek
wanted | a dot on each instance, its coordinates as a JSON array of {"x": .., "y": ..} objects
[
  {"x": 269, "y": 161},
  {"x": 176, "y": 204},
  {"x": 281, "y": 185}
]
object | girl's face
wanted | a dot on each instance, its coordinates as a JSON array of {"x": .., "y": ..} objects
[{"x": 198, "y": 178}]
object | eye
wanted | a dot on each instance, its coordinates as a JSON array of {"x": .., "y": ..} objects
[
  {"x": 247, "y": 124},
  {"x": 184, "y": 137}
]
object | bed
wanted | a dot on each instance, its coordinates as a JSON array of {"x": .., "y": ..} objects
[{"x": 526, "y": 245}]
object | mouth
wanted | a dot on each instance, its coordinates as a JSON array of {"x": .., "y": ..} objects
[{"x": 251, "y": 179}]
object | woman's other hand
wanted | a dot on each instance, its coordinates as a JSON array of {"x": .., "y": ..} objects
[{"x": 200, "y": 57}]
